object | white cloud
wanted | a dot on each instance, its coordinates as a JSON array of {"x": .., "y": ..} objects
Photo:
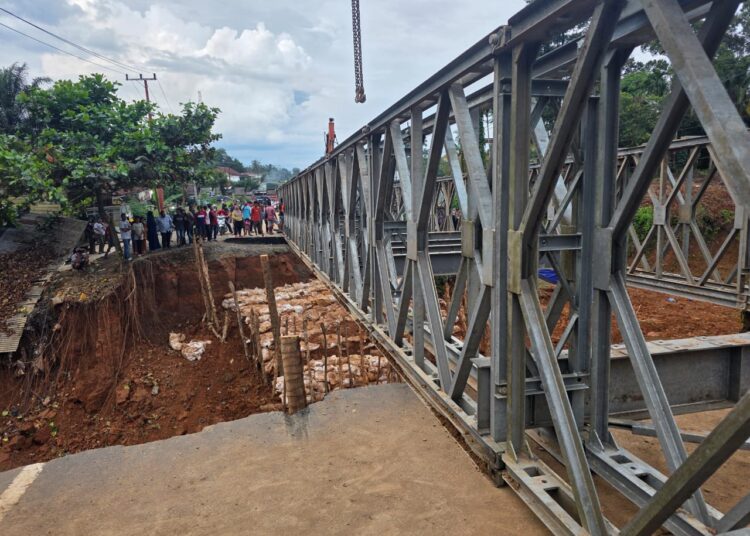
[{"x": 277, "y": 69}]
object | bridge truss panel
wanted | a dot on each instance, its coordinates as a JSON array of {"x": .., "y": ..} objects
[{"x": 375, "y": 199}]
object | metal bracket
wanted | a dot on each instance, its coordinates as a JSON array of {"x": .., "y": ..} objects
[
  {"x": 467, "y": 239},
  {"x": 660, "y": 214},
  {"x": 515, "y": 242},
  {"x": 488, "y": 254},
  {"x": 603, "y": 256},
  {"x": 411, "y": 240}
]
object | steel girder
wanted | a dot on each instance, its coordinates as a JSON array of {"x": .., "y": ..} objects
[{"x": 375, "y": 196}]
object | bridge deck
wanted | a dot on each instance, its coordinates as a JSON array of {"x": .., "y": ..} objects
[{"x": 365, "y": 461}]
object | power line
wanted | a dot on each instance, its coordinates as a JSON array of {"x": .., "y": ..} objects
[
  {"x": 165, "y": 96},
  {"x": 71, "y": 43},
  {"x": 61, "y": 50},
  {"x": 83, "y": 49}
]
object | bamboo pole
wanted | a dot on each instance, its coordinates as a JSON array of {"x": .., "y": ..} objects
[
  {"x": 225, "y": 329},
  {"x": 272, "y": 313},
  {"x": 199, "y": 269},
  {"x": 239, "y": 321},
  {"x": 209, "y": 290}
]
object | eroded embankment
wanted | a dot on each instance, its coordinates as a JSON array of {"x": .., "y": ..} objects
[{"x": 97, "y": 370}]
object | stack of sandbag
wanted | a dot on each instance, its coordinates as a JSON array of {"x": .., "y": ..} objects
[{"x": 344, "y": 372}]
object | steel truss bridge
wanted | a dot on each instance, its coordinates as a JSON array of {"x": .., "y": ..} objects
[{"x": 372, "y": 202}]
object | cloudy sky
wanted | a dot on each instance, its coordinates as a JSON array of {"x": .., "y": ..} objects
[{"x": 276, "y": 68}]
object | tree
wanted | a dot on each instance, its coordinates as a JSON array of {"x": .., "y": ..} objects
[
  {"x": 14, "y": 80},
  {"x": 222, "y": 159},
  {"x": 97, "y": 144},
  {"x": 644, "y": 87}
]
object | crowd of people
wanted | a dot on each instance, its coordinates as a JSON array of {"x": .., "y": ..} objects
[{"x": 204, "y": 221}]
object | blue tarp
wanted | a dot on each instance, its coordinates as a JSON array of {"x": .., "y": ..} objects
[{"x": 548, "y": 275}]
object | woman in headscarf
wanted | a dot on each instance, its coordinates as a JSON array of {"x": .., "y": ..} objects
[{"x": 153, "y": 236}]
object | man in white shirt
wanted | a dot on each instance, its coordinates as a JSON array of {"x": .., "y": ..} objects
[
  {"x": 164, "y": 226},
  {"x": 99, "y": 232},
  {"x": 125, "y": 235}
]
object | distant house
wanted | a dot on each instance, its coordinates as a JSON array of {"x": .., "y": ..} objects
[{"x": 232, "y": 174}]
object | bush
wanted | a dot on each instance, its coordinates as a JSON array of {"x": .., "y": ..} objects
[
  {"x": 727, "y": 216},
  {"x": 643, "y": 221},
  {"x": 707, "y": 224}
]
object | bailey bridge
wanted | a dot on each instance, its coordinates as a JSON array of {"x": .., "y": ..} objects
[{"x": 365, "y": 217}]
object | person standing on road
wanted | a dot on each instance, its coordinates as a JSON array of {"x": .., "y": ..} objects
[
  {"x": 139, "y": 233},
  {"x": 246, "y": 217},
  {"x": 256, "y": 218},
  {"x": 125, "y": 235},
  {"x": 270, "y": 214},
  {"x": 237, "y": 221},
  {"x": 90, "y": 235},
  {"x": 179, "y": 226},
  {"x": 99, "y": 232},
  {"x": 190, "y": 223},
  {"x": 164, "y": 226},
  {"x": 213, "y": 223},
  {"x": 201, "y": 222},
  {"x": 110, "y": 235},
  {"x": 282, "y": 209},
  {"x": 151, "y": 232}
]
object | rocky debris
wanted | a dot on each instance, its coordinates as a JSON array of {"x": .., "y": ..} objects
[
  {"x": 192, "y": 351},
  {"x": 343, "y": 372}
]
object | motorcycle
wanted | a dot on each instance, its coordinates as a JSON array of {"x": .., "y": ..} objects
[{"x": 223, "y": 226}]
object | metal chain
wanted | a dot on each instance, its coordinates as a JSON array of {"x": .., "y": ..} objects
[{"x": 359, "y": 83}]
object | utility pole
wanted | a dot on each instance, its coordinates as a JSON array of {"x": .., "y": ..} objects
[
  {"x": 145, "y": 86},
  {"x": 159, "y": 190}
]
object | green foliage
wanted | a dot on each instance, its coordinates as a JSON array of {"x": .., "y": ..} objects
[
  {"x": 643, "y": 221},
  {"x": 708, "y": 223},
  {"x": 14, "y": 80},
  {"x": 727, "y": 216},
  {"x": 80, "y": 142},
  {"x": 644, "y": 86},
  {"x": 222, "y": 159},
  {"x": 139, "y": 208}
]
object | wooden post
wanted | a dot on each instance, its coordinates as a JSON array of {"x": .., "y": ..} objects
[
  {"x": 206, "y": 290},
  {"x": 365, "y": 375},
  {"x": 349, "y": 357},
  {"x": 239, "y": 321},
  {"x": 225, "y": 329},
  {"x": 296, "y": 399},
  {"x": 310, "y": 376},
  {"x": 341, "y": 355},
  {"x": 325, "y": 357},
  {"x": 272, "y": 313}
]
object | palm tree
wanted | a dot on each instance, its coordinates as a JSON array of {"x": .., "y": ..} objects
[{"x": 14, "y": 80}]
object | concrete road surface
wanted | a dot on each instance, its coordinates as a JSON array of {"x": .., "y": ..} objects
[{"x": 365, "y": 461}]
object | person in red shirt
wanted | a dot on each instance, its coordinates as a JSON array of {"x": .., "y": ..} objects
[
  {"x": 213, "y": 224},
  {"x": 270, "y": 214},
  {"x": 255, "y": 217},
  {"x": 201, "y": 225}
]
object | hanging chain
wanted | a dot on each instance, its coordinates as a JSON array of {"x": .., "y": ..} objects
[{"x": 357, "y": 34}]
